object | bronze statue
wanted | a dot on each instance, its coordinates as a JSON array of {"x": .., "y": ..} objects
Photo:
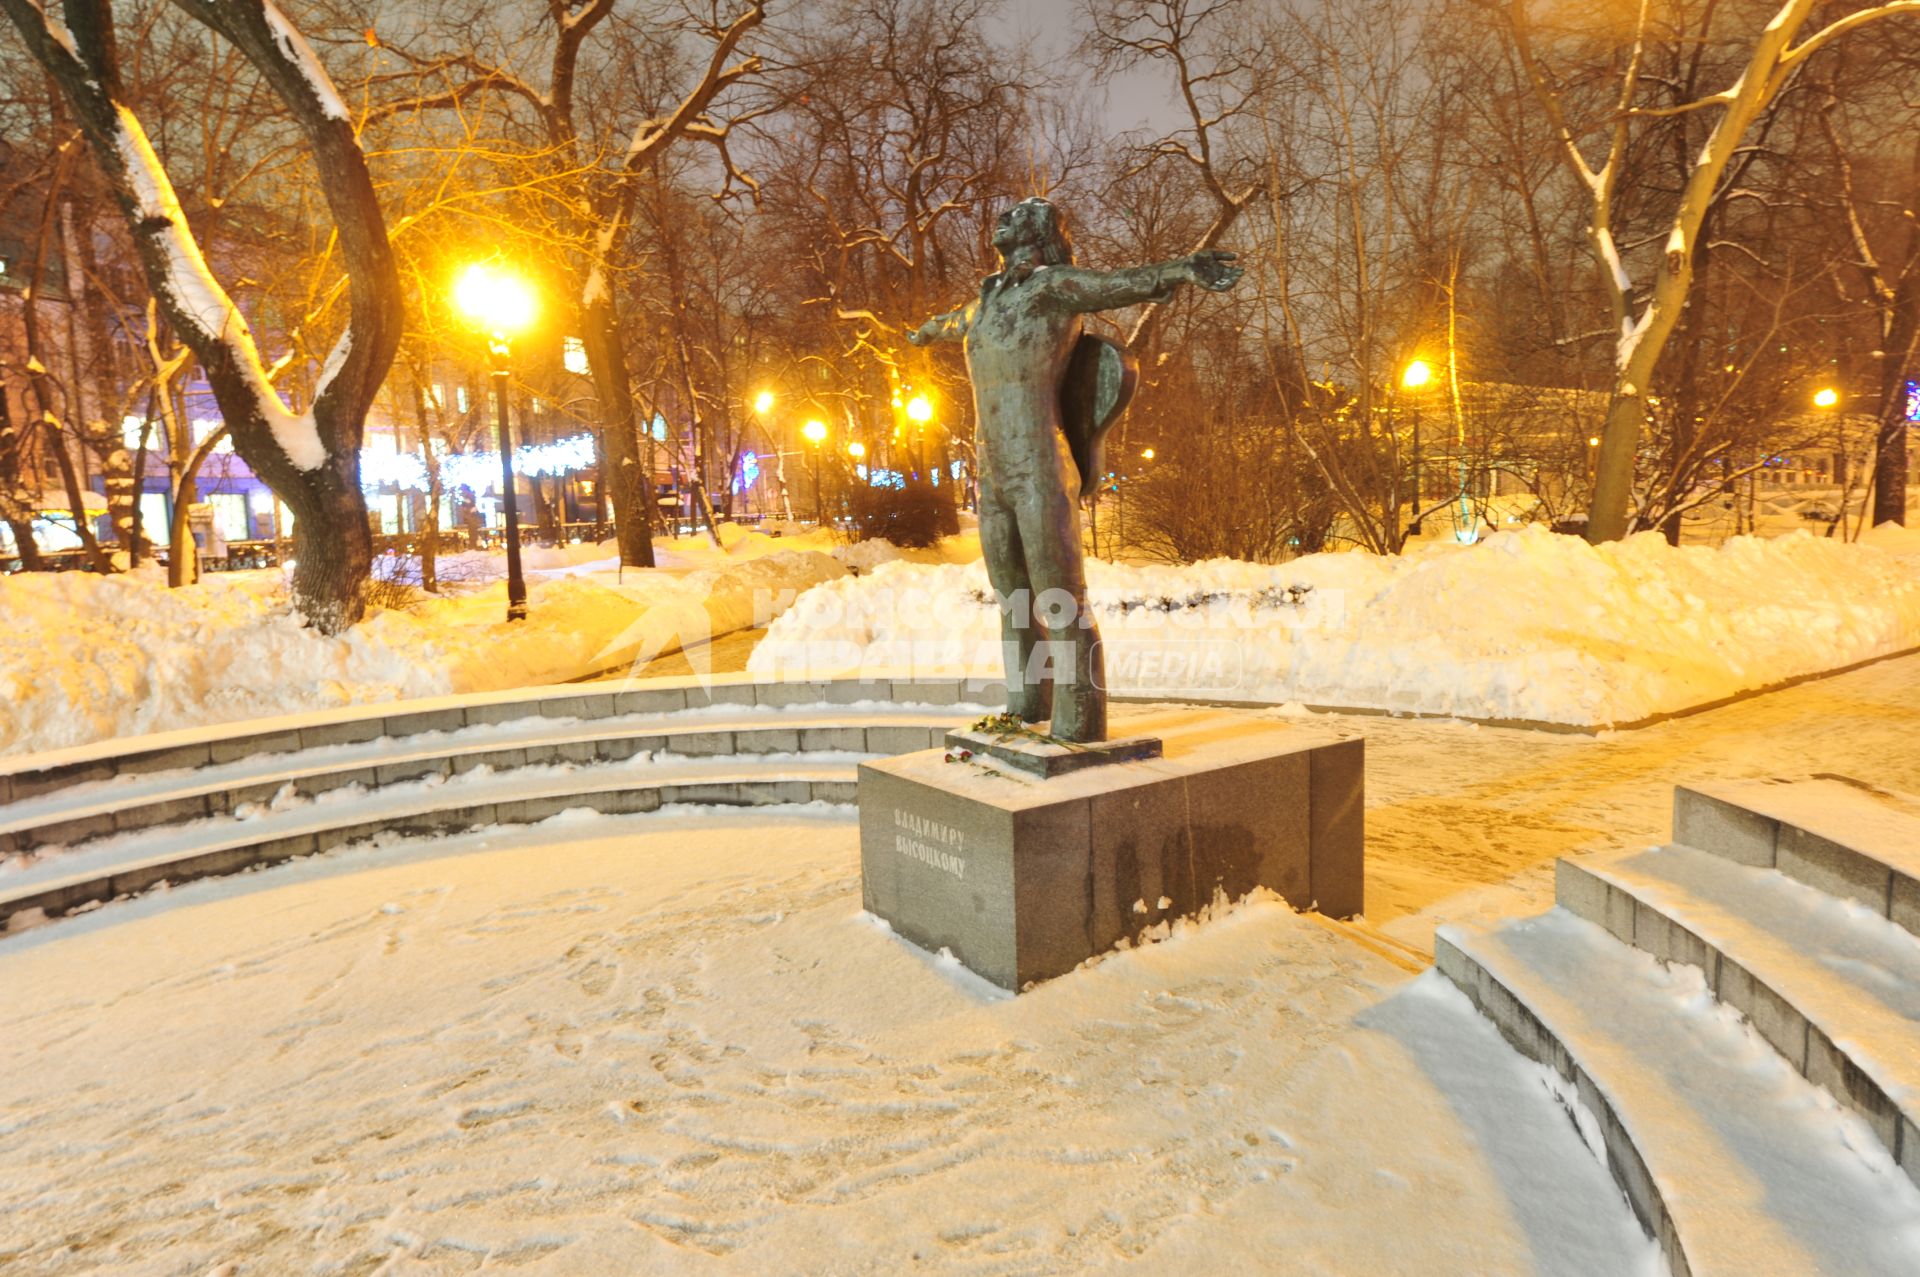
[{"x": 1044, "y": 394}]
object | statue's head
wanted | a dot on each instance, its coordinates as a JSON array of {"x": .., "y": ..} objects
[{"x": 1034, "y": 223}]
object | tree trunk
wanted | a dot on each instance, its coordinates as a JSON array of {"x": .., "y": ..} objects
[
  {"x": 632, "y": 476},
  {"x": 183, "y": 556},
  {"x": 77, "y": 502},
  {"x": 1902, "y": 349},
  {"x": 1890, "y": 465},
  {"x": 16, "y": 503}
]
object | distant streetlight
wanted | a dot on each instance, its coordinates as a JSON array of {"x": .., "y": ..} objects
[
  {"x": 501, "y": 306},
  {"x": 815, "y": 433},
  {"x": 1413, "y": 377},
  {"x": 856, "y": 450},
  {"x": 1825, "y": 397},
  {"x": 1146, "y": 454},
  {"x": 763, "y": 402},
  {"x": 919, "y": 410}
]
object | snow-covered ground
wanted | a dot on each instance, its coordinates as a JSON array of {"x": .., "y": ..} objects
[
  {"x": 1526, "y": 625},
  {"x": 673, "y": 1044}
]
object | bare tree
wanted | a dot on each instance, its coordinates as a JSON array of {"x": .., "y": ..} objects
[
  {"x": 311, "y": 457},
  {"x": 1644, "y": 317},
  {"x": 601, "y": 206}
]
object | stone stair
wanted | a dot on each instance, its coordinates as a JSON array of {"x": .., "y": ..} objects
[
  {"x": 1738, "y": 1015},
  {"x": 88, "y": 826}
]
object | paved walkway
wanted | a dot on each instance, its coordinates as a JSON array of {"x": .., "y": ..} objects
[{"x": 1466, "y": 821}]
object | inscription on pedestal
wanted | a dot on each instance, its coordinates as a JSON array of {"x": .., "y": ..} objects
[{"x": 930, "y": 842}]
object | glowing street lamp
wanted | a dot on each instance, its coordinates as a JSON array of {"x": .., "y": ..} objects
[
  {"x": 763, "y": 402},
  {"x": 501, "y": 306},
  {"x": 815, "y": 433},
  {"x": 1146, "y": 454},
  {"x": 1415, "y": 375},
  {"x": 1825, "y": 397},
  {"x": 919, "y": 410},
  {"x": 856, "y": 450}
]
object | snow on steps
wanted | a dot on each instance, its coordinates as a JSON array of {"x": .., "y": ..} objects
[
  {"x": 28, "y": 775},
  {"x": 1736, "y": 1164},
  {"x": 1833, "y": 987},
  {"x": 1709, "y": 1002},
  {"x": 120, "y": 817},
  {"x": 76, "y": 813},
  {"x": 109, "y": 868},
  {"x": 1849, "y": 839}
]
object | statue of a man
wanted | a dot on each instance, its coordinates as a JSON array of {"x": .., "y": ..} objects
[{"x": 1026, "y": 352}]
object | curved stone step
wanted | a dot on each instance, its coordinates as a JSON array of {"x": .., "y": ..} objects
[
  {"x": 1835, "y": 991},
  {"x": 80, "y": 813},
  {"x": 1735, "y": 1163},
  {"x": 30, "y": 775},
  {"x": 1849, "y": 839},
  {"x": 131, "y": 863}
]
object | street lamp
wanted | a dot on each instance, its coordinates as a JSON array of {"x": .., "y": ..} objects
[
  {"x": 815, "y": 433},
  {"x": 1413, "y": 377},
  {"x": 1146, "y": 454},
  {"x": 763, "y": 402},
  {"x": 920, "y": 412},
  {"x": 1825, "y": 397},
  {"x": 500, "y": 306}
]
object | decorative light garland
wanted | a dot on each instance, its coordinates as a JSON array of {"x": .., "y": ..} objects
[{"x": 476, "y": 470}]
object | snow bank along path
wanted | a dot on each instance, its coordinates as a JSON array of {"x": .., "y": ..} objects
[
  {"x": 1527, "y": 626},
  {"x": 86, "y": 658}
]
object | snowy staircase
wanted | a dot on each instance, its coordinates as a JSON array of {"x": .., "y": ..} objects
[
  {"x": 90, "y": 826},
  {"x": 1738, "y": 1015}
]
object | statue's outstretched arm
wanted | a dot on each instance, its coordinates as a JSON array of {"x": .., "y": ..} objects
[
  {"x": 1084, "y": 290},
  {"x": 951, "y": 326}
]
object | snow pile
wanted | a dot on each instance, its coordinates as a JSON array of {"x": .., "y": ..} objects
[
  {"x": 1526, "y": 625},
  {"x": 84, "y": 658}
]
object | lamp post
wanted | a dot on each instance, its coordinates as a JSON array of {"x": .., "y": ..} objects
[
  {"x": 500, "y": 306},
  {"x": 816, "y": 434},
  {"x": 1417, "y": 374},
  {"x": 920, "y": 412}
]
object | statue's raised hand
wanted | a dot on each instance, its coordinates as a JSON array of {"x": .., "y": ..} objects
[{"x": 1212, "y": 271}]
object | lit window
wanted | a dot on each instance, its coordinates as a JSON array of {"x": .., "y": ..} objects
[
  {"x": 573, "y": 355},
  {"x": 230, "y": 515},
  {"x": 202, "y": 427},
  {"x": 131, "y": 428},
  {"x": 460, "y": 397},
  {"x": 537, "y": 406},
  {"x": 437, "y": 395}
]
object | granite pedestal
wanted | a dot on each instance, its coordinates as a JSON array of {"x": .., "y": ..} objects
[{"x": 1023, "y": 877}]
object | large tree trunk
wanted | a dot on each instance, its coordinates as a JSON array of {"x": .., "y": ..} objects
[
  {"x": 1890, "y": 465},
  {"x": 1901, "y": 354},
  {"x": 632, "y": 475}
]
